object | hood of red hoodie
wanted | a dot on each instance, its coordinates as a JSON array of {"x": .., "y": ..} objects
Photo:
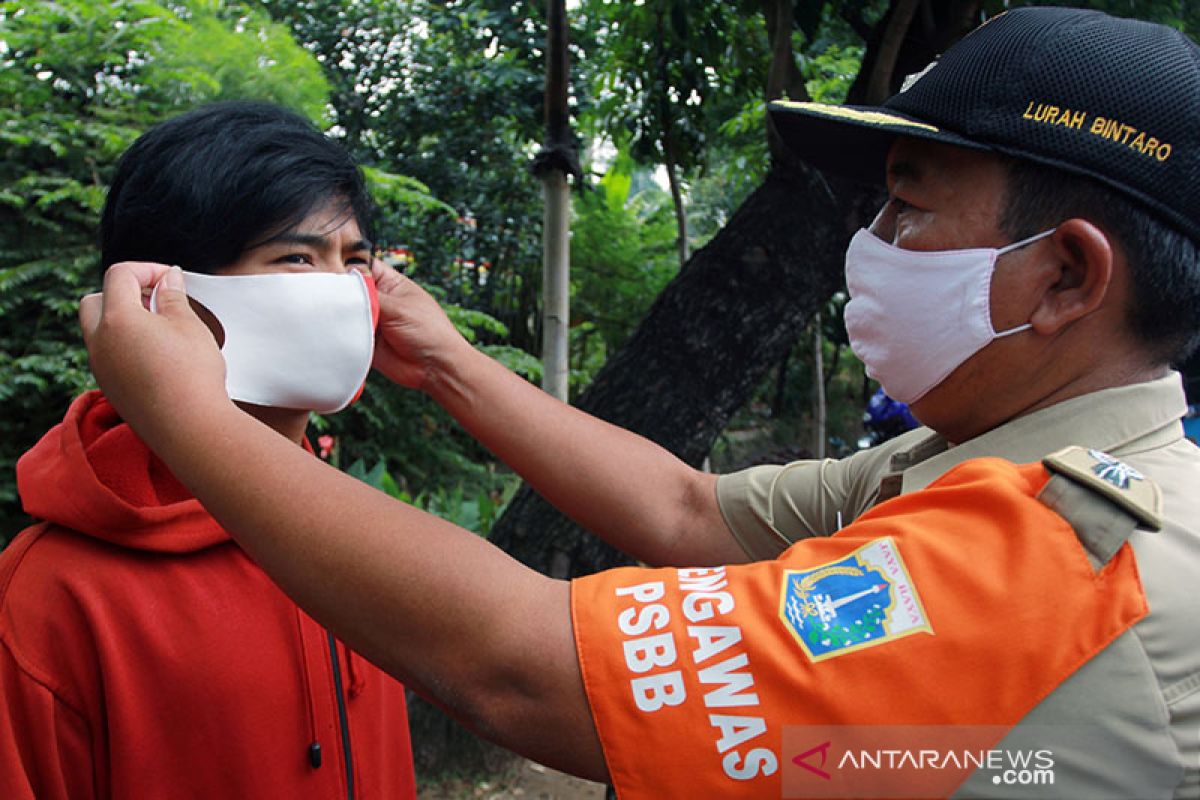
[{"x": 91, "y": 473}]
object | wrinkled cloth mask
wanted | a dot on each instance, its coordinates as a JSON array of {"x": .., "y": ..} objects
[
  {"x": 302, "y": 341},
  {"x": 915, "y": 315}
]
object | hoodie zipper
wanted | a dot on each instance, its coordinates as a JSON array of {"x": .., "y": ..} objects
[{"x": 343, "y": 719}]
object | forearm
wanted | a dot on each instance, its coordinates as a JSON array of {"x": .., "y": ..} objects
[
  {"x": 432, "y": 604},
  {"x": 628, "y": 490}
]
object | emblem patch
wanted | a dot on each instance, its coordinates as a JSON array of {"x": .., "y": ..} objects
[
  {"x": 864, "y": 599},
  {"x": 911, "y": 80},
  {"x": 1118, "y": 473}
]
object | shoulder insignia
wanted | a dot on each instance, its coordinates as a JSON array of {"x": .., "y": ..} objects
[{"x": 1113, "y": 479}]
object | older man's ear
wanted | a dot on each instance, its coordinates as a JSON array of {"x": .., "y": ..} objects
[{"x": 1076, "y": 276}]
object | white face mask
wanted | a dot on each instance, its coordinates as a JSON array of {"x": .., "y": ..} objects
[
  {"x": 914, "y": 315},
  {"x": 302, "y": 341}
]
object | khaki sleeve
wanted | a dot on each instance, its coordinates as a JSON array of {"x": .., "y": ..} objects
[{"x": 769, "y": 508}]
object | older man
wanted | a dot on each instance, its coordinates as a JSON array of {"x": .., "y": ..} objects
[{"x": 1026, "y": 288}]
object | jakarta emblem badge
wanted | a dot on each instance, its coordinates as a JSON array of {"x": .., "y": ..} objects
[{"x": 862, "y": 600}]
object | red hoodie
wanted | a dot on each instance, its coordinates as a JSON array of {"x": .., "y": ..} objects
[{"x": 143, "y": 655}]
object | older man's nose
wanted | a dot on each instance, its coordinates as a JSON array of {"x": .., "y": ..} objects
[{"x": 884, "y": 224}]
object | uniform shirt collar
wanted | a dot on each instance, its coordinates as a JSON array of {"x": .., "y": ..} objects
[{"x": 1120, "y": 421}]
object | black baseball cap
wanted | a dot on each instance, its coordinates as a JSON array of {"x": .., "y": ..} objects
[{"x": 1114, "y": 99}]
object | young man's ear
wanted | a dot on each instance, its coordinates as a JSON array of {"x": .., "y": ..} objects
[{"x": 1077, "y": 276}]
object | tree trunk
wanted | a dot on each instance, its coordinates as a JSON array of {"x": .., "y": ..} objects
[
  {"x": 818, "y": 389},
  {"x": 908, "y": 37},
  {"x": 677, "y": 200},
  {"x": 556, "y": 221},
  {"x": 784, "y": 78},
  {"x": 670, "y": 157},
  {"x": 780, "y": 401},
  {"x": 705, "y": 345},
  {"x": 879, "y": 82},
  {"x": 556, "y": 283}
]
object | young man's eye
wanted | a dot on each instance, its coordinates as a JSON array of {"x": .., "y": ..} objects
[{"x": 297, "y": 258}]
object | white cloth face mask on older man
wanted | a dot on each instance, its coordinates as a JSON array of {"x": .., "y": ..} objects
[
  {"x": 915, "y": 315},
  {"x": 302, "y": 341}
]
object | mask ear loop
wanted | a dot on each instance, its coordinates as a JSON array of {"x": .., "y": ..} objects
[
  {"x": 1026, "y": 327},
  {"x": 1008, "y": 249}
]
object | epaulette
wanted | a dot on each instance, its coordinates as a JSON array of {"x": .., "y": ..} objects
[
  {"x": 1115, "y": 480},
  {"x": 1102, "y": 498}
]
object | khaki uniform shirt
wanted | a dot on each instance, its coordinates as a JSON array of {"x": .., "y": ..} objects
[{"x": 1143, "y": 692}]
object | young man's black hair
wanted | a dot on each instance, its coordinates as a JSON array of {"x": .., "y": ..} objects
[{"x": 249, "y": 171}]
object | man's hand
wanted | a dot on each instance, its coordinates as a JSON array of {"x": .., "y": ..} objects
[
  {"x": 155, "y": 368},
  {"x": 632, "y": 493},
  {"x": 415, "y": 339}
]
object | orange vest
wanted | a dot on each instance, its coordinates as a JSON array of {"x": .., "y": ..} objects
[{"x": 964, "y": 604}]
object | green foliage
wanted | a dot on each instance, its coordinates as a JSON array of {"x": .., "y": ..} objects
[
  {"x": 470, "y": 323},
  {"x": 1183, "y": 16},
  {"x": 400, "y": 193},
  {"x": 228, "y": 52},
  {"x": 622, "y": 255},
  {"x": 667, "y": 74},
  {"x": 475, "y": 509},
  {"x": 406, "y": 429},
  {"x": 830, "y": 71},
  {"x": 519, "y": 361},
  {"x": 357, "y": 43},
  {"x": 427, "y": 449},
  {"x": 449, "y": 93},
  {"x": 734, "y": 173}
]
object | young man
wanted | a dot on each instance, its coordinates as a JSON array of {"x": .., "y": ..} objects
[
  {"x": 1033, "y": 256},
  {"x": 142, "y": 653}
]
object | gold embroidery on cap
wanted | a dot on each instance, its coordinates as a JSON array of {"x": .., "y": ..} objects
[
  {"x": 1053, "y": 115},
  {"x": 869, "y": 117},
  {"x": 1111, "y": 129}
]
